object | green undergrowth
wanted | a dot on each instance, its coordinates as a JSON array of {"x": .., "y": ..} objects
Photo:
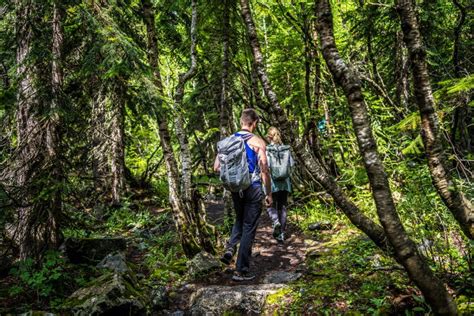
[
  {"x": 347, "y": 273},
  {"x": 153, "y": 252}
]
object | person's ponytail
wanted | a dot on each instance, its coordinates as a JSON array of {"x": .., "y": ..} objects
[{"x": 275, "y": 135}]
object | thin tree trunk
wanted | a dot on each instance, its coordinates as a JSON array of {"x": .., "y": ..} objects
[
  {"x": 53, "y": 136},
  {"x": 4, "y": 75},
  {"x": 186, "y": 163},
  {"x": 457, "y": 37},
  {"x": 461, "y": 208},
  {"x": 307, "y": 61},
  {"x": 405, "y": 250},
  {"x": 401, "y": 74},
  {"x": 255, "y": 91},
  {"x": 225, "y": 109},
  {"x": 317, "y": 69},
  {"x": 97, "y": 138},
  {"x": 309, "y": 164},
  {"x": 193, "y": 234},
  {"x": 461, "y": 118},
  {"x": 117, "y": 138},
  {"x": 224, "y": 104}
]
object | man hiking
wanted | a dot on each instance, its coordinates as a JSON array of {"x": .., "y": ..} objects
[{"x": 246, "y": 188}]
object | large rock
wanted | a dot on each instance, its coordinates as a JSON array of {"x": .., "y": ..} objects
[
  {"x": 281, "y": 277},
  {"x": 202, "y": 264},
  {"x": 91, "y": 250},
  {"x": 115, "y": 262},
  {"x": 110, "y": 294},
  {"x": 159, "y": 298},
  {"x": 241, "y": 300}
]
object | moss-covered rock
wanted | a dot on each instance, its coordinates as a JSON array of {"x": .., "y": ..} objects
[
  {"x": 232, "y": 300},
  {"x": 110, "y": 294},
  {"x": 115, "y": 262},
  {"x": 202, "y": 264}
]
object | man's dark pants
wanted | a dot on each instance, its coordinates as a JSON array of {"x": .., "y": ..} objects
[{"x": 248, "y": 207}]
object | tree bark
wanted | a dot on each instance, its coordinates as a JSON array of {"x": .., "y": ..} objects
[
  {"x": 309, "y": 164},
  {"x": 98, "y": 139},
  {"x": 191, "y": 225},
  {"x": 117, "y": 138},
  {"x": 461, "y": 208},
  {"x": 461, "y": 117},
  {"x": 405, "y": 250},
  {"x": 224, "y": 128},
  {"x": 36, "y": 223},
  {"x": 401, "y": 74},
  {"x": 4, "y": 75},
  {"x": 186, "y": 163}
]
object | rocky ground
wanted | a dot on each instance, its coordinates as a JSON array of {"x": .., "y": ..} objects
[{"x": 274, "y": 264}]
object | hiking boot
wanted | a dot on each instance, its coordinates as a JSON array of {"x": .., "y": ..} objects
[
  {"x": 242, "y": 276},
  {"x": 227, "y": 256},
  {"x": 281, "y": 238},
  {"x": 276, "y": 230}
]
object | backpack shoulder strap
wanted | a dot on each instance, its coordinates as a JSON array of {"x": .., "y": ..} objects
[{"x": 245, "y": 136}]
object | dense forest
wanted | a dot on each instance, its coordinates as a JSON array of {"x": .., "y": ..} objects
[{"x": 110, "y": 114}]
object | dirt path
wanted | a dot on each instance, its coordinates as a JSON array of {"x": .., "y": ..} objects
[
  {"x": 268, "y": 255},
  {"x": 273, "y": 263}
]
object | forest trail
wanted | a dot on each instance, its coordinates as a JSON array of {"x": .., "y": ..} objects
[
  {"x": 275, "y": 265},
  {"x": 268, "y": 255}
]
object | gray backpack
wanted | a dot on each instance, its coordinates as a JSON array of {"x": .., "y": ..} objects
[
  {"x": 279, "y": 161},
  {"x": 232, "y": 156}
]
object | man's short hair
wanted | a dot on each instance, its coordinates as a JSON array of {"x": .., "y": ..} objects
[{"x": 248, "y": 117}]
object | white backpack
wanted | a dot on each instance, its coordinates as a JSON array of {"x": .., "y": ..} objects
[
  {"x": 279, "y": 161},
  {"x": 232, "y": 156}
]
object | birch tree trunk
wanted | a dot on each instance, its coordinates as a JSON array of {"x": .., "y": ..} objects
[
  {"x": 405, "y": 250},
  {"x": 186, "y": 161},
  {"x": 307, "y": 161},
  {"x": 191, "y": 225},
  {"x": 461, "y": 208}
]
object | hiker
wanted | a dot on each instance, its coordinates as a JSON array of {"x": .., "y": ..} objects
[
  {"x": 246, "y": 188},
  {"x": 280, "y": 163}
]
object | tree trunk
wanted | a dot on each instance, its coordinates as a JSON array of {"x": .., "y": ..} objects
[
  {"x": 461, "y": 208},
  {"x": 401, "y": 74},
  {"x": 308, "y": 163},
  {"x": 117, "y": 138},
  {"x": 97, "y": 138},
  {"x": 37, "y": 172},
  {"x": 405, "y": 250},
  {"x": 53, "y": 136},
  {"x": 193, "y": 233},
  {"x": 186, "y": 163},
  {"x": 225, "y": 108},
  {"x": 461, "y": 117},
  {"x": 224, "y": 104}
]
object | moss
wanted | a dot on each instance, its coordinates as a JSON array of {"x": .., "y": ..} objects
[
  {"x": 277, "y": 297},
  {"x": 343, "y": 276},
  {"x": 106, "y": 291}
]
